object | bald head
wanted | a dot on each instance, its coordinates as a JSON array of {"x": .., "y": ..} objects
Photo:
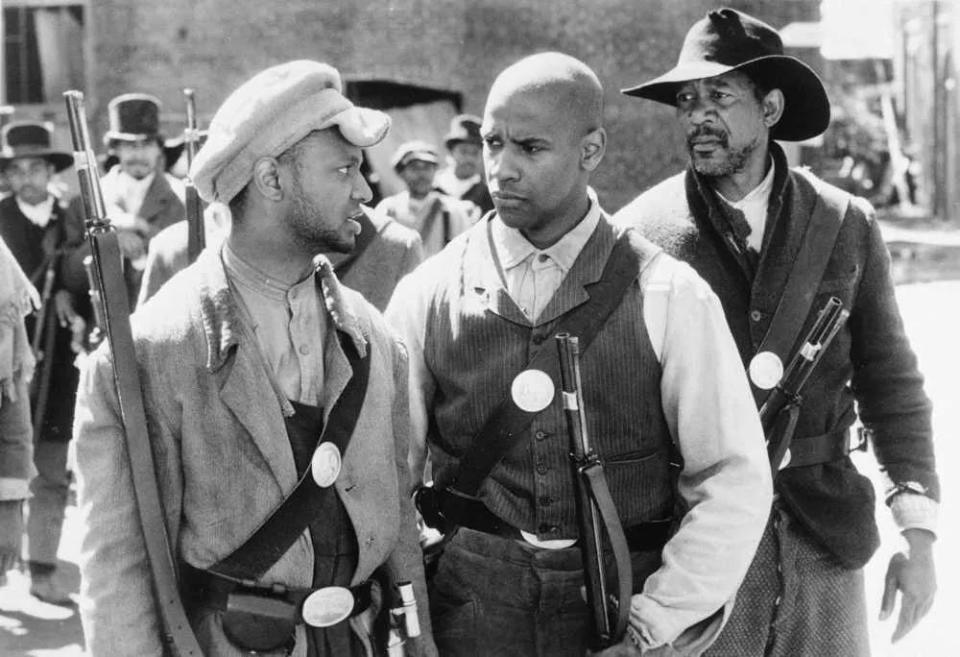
[
  {"x": 543, "y": 138},
  {"x": 572, "y": 87}
]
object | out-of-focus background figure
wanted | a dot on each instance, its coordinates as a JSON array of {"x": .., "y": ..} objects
[
  {"x": 41, "y": 231},
  {"x": 463, "y": 177},
  {"x": 436, "y": 216}
]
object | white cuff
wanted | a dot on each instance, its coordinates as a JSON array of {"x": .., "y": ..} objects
[
  {"x": 915, "y": 511},
  {"x": 14, "y": 489}
]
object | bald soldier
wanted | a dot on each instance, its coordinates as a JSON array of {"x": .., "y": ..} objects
[{"x": 508, "y": 581}]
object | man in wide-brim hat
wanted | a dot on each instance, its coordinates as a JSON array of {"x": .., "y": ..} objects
[
  {"x": 764, "y": 236},
  {"x": 40, "y": 229}
]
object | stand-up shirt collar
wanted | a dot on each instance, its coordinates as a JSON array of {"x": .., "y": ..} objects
[
  {"x": 255, "y": 280},
  {"x": 513, "y": 248},
  {"x": 39, "y": 214},
  {"x": 754, "y": 207}
]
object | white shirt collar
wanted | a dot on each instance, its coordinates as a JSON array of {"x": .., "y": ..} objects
[
  {"x": 513, "y": 248},
  {"x": 754, "y": 208},
  {"x": 39, "y": 214}
]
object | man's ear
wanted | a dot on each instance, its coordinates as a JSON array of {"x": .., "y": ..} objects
[
  {"x": 266, "y": 178},
  {"x": 592, "y": 148},
  {"x": 772, "y": 105}
]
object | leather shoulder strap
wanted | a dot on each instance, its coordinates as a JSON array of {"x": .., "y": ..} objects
[
  {"x": 505, "y": 425},
  {"x": 805, "y": 276},
  {"x": 280, "y": 530}
]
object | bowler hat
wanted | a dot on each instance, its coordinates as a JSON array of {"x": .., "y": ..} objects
[
  {"x": 463, "y": 128},
  {"x": 413, "y": 151},
  {"x": 729, "y": 40},
  {"x": 31, "y": 139}
]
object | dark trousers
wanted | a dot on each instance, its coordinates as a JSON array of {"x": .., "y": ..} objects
[{"x": 495, "y": 596}]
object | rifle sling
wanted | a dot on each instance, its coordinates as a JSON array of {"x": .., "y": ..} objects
[
  {"x": 290, "y": 519},
  {"x": 107, "y": 258},
  {"x": 805, "y": 276},
  {"x": 596, "y": 484},
  {"x": 505, "y": 426}
]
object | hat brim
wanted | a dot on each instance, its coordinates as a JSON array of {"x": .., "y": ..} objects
[
  {"x": 806, "y": 109},
  {"x": 58, "y": 159}
]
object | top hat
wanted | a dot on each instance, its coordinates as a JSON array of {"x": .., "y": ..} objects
[
  {"x": 133, "y": 117},
  {"x": 728, "y": 40},
  {"x": 414, "y": 151},
  {"x": 31, "y": 139},
  {"x": 463, "y": 128}
]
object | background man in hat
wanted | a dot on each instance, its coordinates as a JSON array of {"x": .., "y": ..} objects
[
  {"x": 41, "y": 231},
  {"x": 245, "y": 357},
  {"x": 437, "y": 217},
  {"x": 386, "y": 252},
  {"x": 661, "y": 371},
  {"x": 742, "y": 218},
  {"x": 141, "y": 198},
  {"x": 463, "y": 179}
]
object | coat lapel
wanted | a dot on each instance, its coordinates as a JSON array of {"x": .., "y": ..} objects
[
  {"x": 249, "y": 397},
  {"x": 157, "y": 197},
  {"x": 587, "y": 269}
]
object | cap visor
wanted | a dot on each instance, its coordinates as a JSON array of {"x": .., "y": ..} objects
[{"x": 362, "y": 127}]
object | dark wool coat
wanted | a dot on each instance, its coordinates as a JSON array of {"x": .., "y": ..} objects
[{"x": 869, "y": 363}]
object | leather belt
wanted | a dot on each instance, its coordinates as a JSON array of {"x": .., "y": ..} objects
[
  {"x": 824, "y": 448},
  {"x": 214, "y": 592},
  {"x": 475, "y": 515}
]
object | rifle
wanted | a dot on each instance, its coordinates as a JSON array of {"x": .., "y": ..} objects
[
  {"x": 196, "y": 238},
  {"x": 115, "y": 309},
  {"x": 45, "y": 327},
  {"x": 781, "y": 408},
  {"x": 595, "y": 510}
]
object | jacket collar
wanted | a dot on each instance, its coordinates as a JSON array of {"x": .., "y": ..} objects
[{"x": 221, "y": 317}]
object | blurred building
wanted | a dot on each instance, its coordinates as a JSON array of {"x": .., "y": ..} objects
[{"x": 440, "y": 56}]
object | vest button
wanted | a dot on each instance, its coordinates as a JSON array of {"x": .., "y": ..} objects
[
  {"x": 546, "y": 528},
  {"x": 546, "y": 500},
  {"x": 538, "y": 339},
  {"x": 541, "y": 435},
  {"x": 542, "y": 468},
  {"x": 756, "y": 315}
]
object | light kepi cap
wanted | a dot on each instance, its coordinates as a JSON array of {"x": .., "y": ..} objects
[{"x": 271, "y": 112}]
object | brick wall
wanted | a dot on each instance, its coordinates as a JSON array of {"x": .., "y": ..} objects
[{"x": 213, "y": 45}]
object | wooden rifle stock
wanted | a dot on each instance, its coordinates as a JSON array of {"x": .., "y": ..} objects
[
  {"x": 105, "y": 250},
  {"x": 196, "y": 238},
  {"x": 609, "y": 615}
]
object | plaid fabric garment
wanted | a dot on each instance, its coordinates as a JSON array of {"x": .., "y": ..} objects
[{"x": 796, "y": 601}]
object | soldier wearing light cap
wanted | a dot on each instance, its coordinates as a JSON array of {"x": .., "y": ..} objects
[{"x": 288, "y": 542}]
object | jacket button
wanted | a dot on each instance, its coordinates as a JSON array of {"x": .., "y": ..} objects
[
  {"x": 537, "y": 339},
  {"x": 546, "y": 500},
  {"x": 542, "y": 468},
  {"x": 541, "y": 435},
  {"x": 756, "y": 315}
]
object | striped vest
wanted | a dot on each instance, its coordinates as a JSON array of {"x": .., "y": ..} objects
[{"x": 477, "y": 340}]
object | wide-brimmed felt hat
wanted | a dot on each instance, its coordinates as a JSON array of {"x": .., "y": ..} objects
[
  {"x": 463, "y": 128},
  {"x": 413, "y": 151},
  {"x": 728, "y": 40},
  {"x": 31, "y": 139},
  {"x": 271, "y": 112}
]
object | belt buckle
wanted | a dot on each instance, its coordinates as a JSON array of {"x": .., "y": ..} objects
[{"x": 328, "y": 606}]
